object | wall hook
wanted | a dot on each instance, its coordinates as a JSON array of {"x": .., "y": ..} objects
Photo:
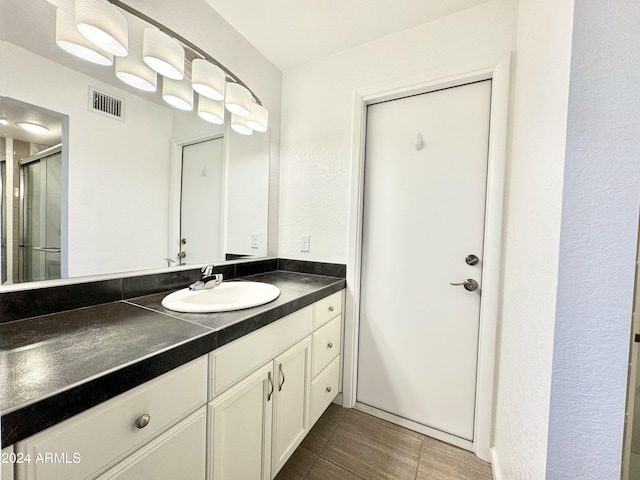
[{"x": 419, "y": 142}]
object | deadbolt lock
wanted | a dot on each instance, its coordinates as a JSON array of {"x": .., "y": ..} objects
[{"x": 471, "y": 259}]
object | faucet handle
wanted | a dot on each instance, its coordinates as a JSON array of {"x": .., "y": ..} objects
[{"x": 208, "y": 270}]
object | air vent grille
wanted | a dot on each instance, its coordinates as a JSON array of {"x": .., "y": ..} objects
[{"x": 106, "y": 104}]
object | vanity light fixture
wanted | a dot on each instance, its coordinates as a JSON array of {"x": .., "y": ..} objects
[
  {"x": 33, "y": 127},
  {"x": 163, "y": 54},
  {"x": 99, "y": 31},
  {"x": 69, "y": 39},
  {"x": 211, "y": 110},
  {"x": 258, "y": 119},
  {"x": 207, "y": 79},
  {"x": 177, "y": 93},
  {"x": 239, "y": 124},
  {"x": 134, "y": 72},
  {"x": 4, "y": 122},
  {"x": 104, "y": 25},
  {"x": 238, "y": 99}
]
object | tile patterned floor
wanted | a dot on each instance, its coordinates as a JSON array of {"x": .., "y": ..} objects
[{"x": 347, "y": 444}]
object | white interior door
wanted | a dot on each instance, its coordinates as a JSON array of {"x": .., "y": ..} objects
[
  {"x": 424, "y": 212},
  {"x": 201, "y": 206}
]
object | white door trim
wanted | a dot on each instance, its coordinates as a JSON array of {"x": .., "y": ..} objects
[{"x": 491, "y": 276}]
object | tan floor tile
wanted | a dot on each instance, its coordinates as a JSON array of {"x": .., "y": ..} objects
[
  {"x": 373, "y": 448},
  {"x": 297, "y": 466},
  {"x": 441, "y": 461},
  {"x": 323, "y": 470}
]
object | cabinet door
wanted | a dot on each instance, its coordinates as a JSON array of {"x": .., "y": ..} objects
[
  {"x": 291, "y": 408},
  {"x": 177, "y": 453},
  {"x": 240, "y": 429}
]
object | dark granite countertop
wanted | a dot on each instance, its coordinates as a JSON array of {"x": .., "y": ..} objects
[{"x": 55, "y": 366}]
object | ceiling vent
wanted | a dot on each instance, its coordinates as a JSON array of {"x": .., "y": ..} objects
[{"x": 106, "y": 104}]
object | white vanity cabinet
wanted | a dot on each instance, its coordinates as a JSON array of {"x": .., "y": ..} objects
[
  {"x": 255, "y": 426},
  {"x": 97, "y": 439},
  {"x": 261, "y": 391},
  {"x": 8, "y": 461},
  {"x": 238, "y": 413}
]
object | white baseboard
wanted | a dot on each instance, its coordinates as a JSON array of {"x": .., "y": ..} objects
[{"x": 495, "y": 465}]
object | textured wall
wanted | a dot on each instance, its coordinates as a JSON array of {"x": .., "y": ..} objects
[
  {"x": 532, "y": 235},
  {"x": 598, "y": 244},
  {"x": 317, "y": 115}
]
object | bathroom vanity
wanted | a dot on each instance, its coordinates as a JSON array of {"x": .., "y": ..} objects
[{"x": 131, "y": 390}]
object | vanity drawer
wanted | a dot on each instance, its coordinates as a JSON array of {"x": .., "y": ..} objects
[
  {"x": 229, "y": 364},
  {"x": 326, "y": 309},
  {"x": 93, "y": 440},
  {"x": 324, "y": 389},
  {"x": 326, "y": 345}
]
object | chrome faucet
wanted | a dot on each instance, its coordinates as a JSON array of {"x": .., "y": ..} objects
[{"x": 208, "y": 279}]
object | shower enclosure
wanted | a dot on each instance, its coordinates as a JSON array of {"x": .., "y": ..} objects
[{"x": 40, "y": 206}]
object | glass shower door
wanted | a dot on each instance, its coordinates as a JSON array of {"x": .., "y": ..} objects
[{"x": 40, "y": 189}]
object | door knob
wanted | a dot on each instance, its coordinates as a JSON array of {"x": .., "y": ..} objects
[
  {"x": 471, "y": 259},
  {"x": 469, "y": 284}
]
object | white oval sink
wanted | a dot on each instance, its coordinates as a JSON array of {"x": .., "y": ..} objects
[{"x": 226, "y": 297}]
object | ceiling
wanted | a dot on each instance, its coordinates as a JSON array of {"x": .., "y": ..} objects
[{"x": 291, "y": 32}]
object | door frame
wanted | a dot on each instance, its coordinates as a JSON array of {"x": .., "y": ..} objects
[{"x": 492, "y": 255}]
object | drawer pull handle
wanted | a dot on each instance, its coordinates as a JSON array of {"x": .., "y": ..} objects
[
  {"x": 328, "y": 389},
  {"x": 143, "y": 421},
  {"x": 331, "y": 308},
  {"x": 282, "y": 375},
  {"x": 330, "y": 345},
  {"x": 271, "y": 383}
]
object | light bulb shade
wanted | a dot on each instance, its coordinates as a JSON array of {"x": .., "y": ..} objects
[
  {"x": 238, "y": 99},
  {"x": 259, "y": 118},
  {"x": 163, "y": 54},
  {"x": 103, "y": 25},
  {"x": 211, "y": 110},
  {"x": 69, "y": 39},
  {"x": 207, "y": 79},
  {"x": 177, "y": 93},
  {"x": 239, "y": 124},
  {"x": 134, "y": 72}
]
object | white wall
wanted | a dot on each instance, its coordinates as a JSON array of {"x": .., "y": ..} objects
[
  {"x": 317, "y": 115},
  {"x": 532, "y": 235},
  {"x": 117, "y": 193},
  {"x": 597, "y": 244}
]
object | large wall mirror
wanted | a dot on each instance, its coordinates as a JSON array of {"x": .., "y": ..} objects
[{"x": 100, "y": 194}]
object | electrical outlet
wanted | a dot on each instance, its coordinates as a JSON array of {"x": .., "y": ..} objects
[
  {"x": 254, "y": 240},
  {"x": 305, "y": 241}
]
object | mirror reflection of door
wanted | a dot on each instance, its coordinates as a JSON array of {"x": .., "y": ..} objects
[
  {"x": 40, "y": 206},
  {"x": 201, "y": 206}
]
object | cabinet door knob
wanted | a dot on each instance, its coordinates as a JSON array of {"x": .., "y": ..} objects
[
  {"x": 328, "y": 389},
  {"x": 143, "y": 421},
  {"x": 331, "y": 308},
  {"x": 330, "y": 345}
]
